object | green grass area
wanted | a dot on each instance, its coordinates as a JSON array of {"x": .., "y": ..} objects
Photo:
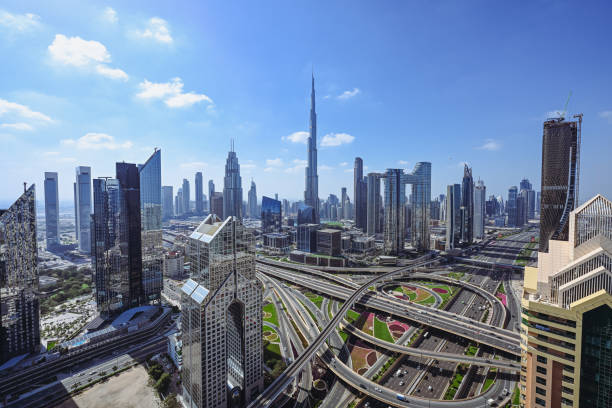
[
  {"x": 384, "y": 368},
  {"x": 471, "y": 351},
  {"x": 449, "y": 290},
  {"x": 516, "y": 397},
  {"x": 524, "y": 257},
  {"x": 381, "y": 331},
  {"x": 453, "y": 387},
  {"x": 487, "y": 384},
  {"x": 329, "y": 309},
  {"x": 271, "y": 310},
  {"x": 352, "y": 316},
  {"x": 316, "y": 299},
  {"x": 71, "y": 283},
  {"x": 50, "y": 345},
  {"x": 456, "y": 275},
  {"x": 343, "y": 334},
  {"x": 501, "y": 289}
]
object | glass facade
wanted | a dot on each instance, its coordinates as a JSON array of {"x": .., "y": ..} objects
[
  {"x": 167, "y": 202},
  {"x": 51, "y": 210},
  {"x": 222, "y": 317},
  {"x": 19, "y": 303},
  {"x": 199, "y": 193},
  {"x": 83, "y": 207},
  {"x": 453, "y": 216},
  {"x": 271, "y": 215},
  {"x": 373, "y": 217},
  {"x": 596, "y": 361},
  {"x": 151, "y": 223},
  {"x": 559, "y": 179},
  {"x": 306, "y": 214},
  {"x": 232, "y": 187}
]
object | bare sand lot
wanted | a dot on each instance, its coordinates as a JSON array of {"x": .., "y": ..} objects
[{"x": 128, "y": 390}]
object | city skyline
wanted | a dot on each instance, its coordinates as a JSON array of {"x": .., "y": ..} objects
[{"x": 270, "y": 135}]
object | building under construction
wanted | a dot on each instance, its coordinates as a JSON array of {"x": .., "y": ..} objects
[{"x": 560, "y": 177}]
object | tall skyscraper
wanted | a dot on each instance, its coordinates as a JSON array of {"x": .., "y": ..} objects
[
  {"x": 467, "y": 206},
  {"x": 186, "y": 197},
  {"x": 211, "y": 192},
  {"x": 232, "y": 186},
  {"x": 480, "y": 199},
  {"x": 395, "y": 203},
  {"x": 117, "y": 253},
  {"x": 360, "y": 192},
  {"x": 167, "y": 204},
  {"x": 19, "y": 303},
  {"x": 566, "y": 315},
  {"x": 216, "y": 204},
  {"x": 511, "y": 207},
  {"x": 52, "y": 234},
  {"x": 271, "y": 215},
  {"x": 76, "y": 217},
  {"x": 373, "y": 204},
  {"x": 222, "y": 317},
  {"x": 560, "y": 177},
  {"x": 82, "y": 206},
  {"x": 252, "y": 206},
  {"x": 344, "y": 203},
  {"x": 453, "y": 216},
  {"x": 311, "y": 194},
  {"x": 178, "y": 202},
  {"x": 151, "y": 227},
  {"x": 199, "y": 193}
]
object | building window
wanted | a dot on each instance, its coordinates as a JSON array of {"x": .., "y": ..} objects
[
  {"x": 540, "y": 391},
  {"x": 541, "y": 380},
  {"x": 541, "y": 370},
  {"x": 540, "y": 401},
  {"x": 542, "y": 359}
]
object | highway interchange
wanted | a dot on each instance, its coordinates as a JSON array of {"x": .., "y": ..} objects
[{"x": 425, "y": 366}]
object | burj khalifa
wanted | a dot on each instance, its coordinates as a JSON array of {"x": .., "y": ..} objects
[{"x": 311, "y": 194}]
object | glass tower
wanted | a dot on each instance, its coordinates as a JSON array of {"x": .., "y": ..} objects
[
  {"x": 82, "y": 206},
  {"x": 271, "y": 215},
  {"x": 51, "y": 210},
  {"x": 199, "y": 193},
  {"x": 19, "y": 303},
  {"x": 151, "y": 232},
  {"x": 232, "y": 186}
]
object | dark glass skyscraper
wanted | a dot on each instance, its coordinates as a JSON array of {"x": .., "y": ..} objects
[
  {"x": 560, "y": 167},
  {"x": 167, "y": 202},
  {"x": 211, "y": 192},
  {"x": 511, "y": 207},
  {"x": 271, "y": 215},
  {"x": 51, "y": 210},
  {"x": 453, "y": 216},
  {"x": 252, "y": 203},
  {"x": 360, "y": 192},
  {"x": 232, "y": 186},
  {"x": 117, "y": 253},
  {"x": 311, "y": 194},
  {"x": 199, "y": 193},
  {"x": 19, "y": 304},
  {"x": 467, "y": 206},
  {"x": 186, "y": 207}
]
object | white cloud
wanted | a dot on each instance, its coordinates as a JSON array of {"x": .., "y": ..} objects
[
  {"x": 157, "y": 29},
  {"x": 491, "y": 145},
  {"x": 606, "y": 115},
  {"x": 97, "y": 141},
  {"x": 17, "y": 126},
  {"x": 297, "y": 137},
  {"x": 270, "y": 169},
  {"x": 19, "y": 22},
  {"x": 336, "y": 139},
  {"x": 80, "y": 53},
  {"x": 248, "y": 166},
  {"x": 299, "y": 165},
  {"x": 171, "y": 92},
  {"x": 274, "y": 162},
  {"x": 22, "y": 111},
  {"x": 348, "y": 170},
  {"x": 325, "y": 167},
  {"x": 196, "y": 165},
  {"x": 49, "y": 154},
  {"x": 343, "y": 164},
  {"x": 112, "y": 73},
  {"x": 110, "y": 15},
  {"x": 402, "y": 162},
  {"x": 349, "y": 94}
]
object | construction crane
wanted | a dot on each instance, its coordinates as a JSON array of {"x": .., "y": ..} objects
[{"x": 564, "y": 111}]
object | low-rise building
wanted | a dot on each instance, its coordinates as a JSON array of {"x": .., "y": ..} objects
[
  {"x": 307, "y": 237},
  {"x": 174, "y": 263},
  {"x": 175, "y": 350},
  {"x": 276, "y": 242},
  {"x": 328, "y": 241}
]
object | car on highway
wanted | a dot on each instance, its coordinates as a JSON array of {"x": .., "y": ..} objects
[{"x": 401, "y": 397}]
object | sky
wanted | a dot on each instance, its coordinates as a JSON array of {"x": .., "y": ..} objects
[{"x": 450, "y": 82}]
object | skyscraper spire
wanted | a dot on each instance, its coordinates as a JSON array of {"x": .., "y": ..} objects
[{"x": 311, "y": 193}]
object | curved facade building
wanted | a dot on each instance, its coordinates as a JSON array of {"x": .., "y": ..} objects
[{"x": 559, "y": 179}]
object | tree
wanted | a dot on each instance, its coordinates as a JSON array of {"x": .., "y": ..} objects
[
  {"x": 163, "y": 383},
  {"x": 171, "y": 402}
]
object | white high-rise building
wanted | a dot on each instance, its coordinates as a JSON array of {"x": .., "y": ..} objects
[{"x": 222, "y": 317}]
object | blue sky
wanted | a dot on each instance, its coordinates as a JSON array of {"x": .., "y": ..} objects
[{"x": 92, "y": 83}]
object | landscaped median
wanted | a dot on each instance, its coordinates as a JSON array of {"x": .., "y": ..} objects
[{"x": 269, "y": 314}]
